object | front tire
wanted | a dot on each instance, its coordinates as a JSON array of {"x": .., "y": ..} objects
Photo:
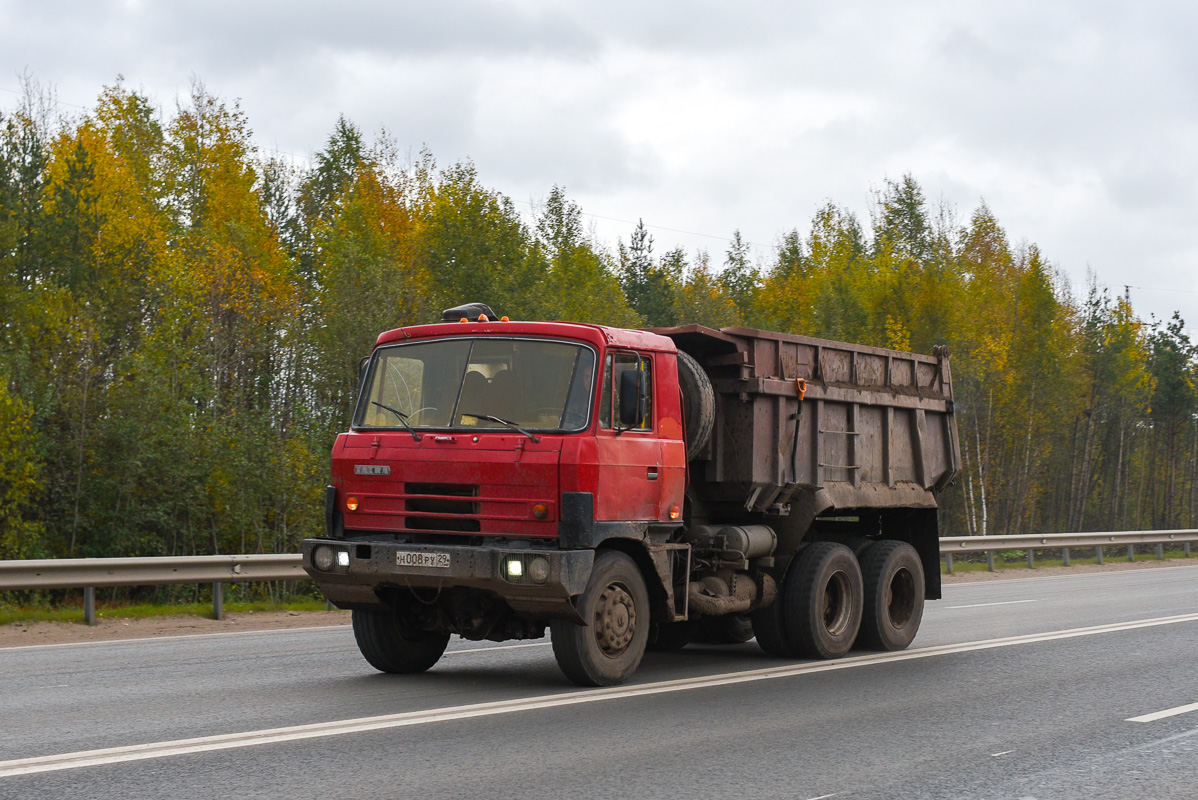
[
  {"x": 391, "y": 646},
  {"x": 615, "y": 605},
  {"x": 894, "y": 595}
]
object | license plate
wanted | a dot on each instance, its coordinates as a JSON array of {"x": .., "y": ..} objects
[{"x": 430, "y": 560}]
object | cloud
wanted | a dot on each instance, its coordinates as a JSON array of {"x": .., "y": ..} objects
[{"x": 1075, "y": 120}]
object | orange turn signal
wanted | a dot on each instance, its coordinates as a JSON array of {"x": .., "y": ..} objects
[
  {"x": 351, "y": 503},
  {"x": 675, "y": 511},
  {"x": 540, "y": 510}
]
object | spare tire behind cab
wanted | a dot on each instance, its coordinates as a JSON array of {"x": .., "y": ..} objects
[{"x": 698, "y": 401}]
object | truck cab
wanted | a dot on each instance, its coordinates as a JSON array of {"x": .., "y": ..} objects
[{"x": 486, "y": 463}]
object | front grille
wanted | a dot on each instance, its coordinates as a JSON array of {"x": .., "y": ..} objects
[{"x": 441, "y": 507}]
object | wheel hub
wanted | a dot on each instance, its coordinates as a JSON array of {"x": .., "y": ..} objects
[
  {"x": 834, "y": 604},
  {"x": 900, "y": 598},
  {"x": 615, "y": 620}
]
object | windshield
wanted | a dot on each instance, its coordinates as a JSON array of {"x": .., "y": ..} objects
[{"x": 479, "y": 383}]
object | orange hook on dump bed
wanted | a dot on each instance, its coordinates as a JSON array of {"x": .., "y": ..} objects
[{"x": 801, "y": 388}]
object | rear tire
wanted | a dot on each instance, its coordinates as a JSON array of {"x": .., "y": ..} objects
[
  {"x": 894, "y": 596},
  {"x": 390, "y": 646},
  {"x": 615, "y": 605},
  {"x": 822, "y": 601}
]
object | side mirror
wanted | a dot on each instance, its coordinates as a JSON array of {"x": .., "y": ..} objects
[{"x": 632, "y": 401}]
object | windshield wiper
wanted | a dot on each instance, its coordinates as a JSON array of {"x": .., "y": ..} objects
[
  {"x": 403, "y": 418},
  {"x": 508, "y": 423}
]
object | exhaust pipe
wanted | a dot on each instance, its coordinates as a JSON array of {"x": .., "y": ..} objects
[{"x": 713, "y": 596}]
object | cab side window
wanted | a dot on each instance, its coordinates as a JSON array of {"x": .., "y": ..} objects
[{"x": 615, "y": 365}]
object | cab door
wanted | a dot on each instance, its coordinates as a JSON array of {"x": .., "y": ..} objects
[{"x": 628, "y": 443}]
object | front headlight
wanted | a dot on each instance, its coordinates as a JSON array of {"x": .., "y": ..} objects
[
  {"x": 322, "y": 557},
  {"x": 538, "y": 569}
]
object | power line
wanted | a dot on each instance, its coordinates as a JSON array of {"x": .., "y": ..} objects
[
  {"x": 660, "y": 227},
  {"x": 1157, "y": 289},
  {"x": 56, "y": 100}
]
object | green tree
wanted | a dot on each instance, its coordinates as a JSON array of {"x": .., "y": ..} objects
[
  {"x": 577, "y": 283},
  {"x": 740, "y": 278},
  {"x": 648, "y": 286}
]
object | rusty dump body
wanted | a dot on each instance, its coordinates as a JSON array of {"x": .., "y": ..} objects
[
  {"x": 627, "y": 488},
  {"x": 821, "y": 424},
  {"x": 806, "y": 427}
]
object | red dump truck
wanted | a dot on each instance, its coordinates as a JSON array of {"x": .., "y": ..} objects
[{"x": 631, "y": 489}]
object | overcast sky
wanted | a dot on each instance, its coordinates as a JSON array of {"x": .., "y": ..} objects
[{"x": 1076, "y": 122}]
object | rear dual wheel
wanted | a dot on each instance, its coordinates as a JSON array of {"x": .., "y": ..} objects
[
  {"x": 830, "y": 603},
  {"x": 818, "y": 611}
]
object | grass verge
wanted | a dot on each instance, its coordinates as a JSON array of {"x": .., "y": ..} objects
[
  {"x": 1000, "y": 565},
  {"x": 11, "y": 614}
]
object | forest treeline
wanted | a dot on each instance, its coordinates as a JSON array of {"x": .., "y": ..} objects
[{"x": 182, "y": 320}]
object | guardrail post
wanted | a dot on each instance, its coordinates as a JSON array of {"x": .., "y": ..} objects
[
  {"x": 1031, "y": 558},
  {"x": 89, "y": 605},
  {"x": 218, "y": 601},
  {"x": 948, "y": 563},
  {"x": 1187, "y": 549},
  {"x": 990, "y": 559},
  {"x": 1065, "y": 554},
  {"x": 1160, "y": 551},
  {"x": 1131, "y": 552},
  {"x": 1098, "y": 552}
]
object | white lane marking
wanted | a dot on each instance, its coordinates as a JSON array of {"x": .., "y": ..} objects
[
  {"x": 826, "y": 796},
  {"x": 228, "y": 741},
  {"x": 1168, "y": 712},
  {"x": 1168, "y": 739},
  {"x": 144, "y": 639},
  {"x": 985, "y": 605},
  {"x": 1003, "y": 753}
]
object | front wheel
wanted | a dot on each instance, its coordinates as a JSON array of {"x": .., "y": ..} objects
[
  {"x": 391, "y": 646},
  {"x": 615, "y": 606}
]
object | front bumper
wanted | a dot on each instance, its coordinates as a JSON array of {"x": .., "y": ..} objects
[{"x": 356, "y": 578}]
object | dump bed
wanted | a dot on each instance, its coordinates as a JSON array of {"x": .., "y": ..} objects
[{"x": 821, "y": 425}]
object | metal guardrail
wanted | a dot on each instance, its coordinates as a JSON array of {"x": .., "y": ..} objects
[
  {"x": 92, "y": 573},
  {"x": 72, "y": 573},
  {"x": 1031, "y": 542}
]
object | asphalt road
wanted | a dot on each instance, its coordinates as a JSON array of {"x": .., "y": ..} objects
[{"x": 1032, "y": 688}]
